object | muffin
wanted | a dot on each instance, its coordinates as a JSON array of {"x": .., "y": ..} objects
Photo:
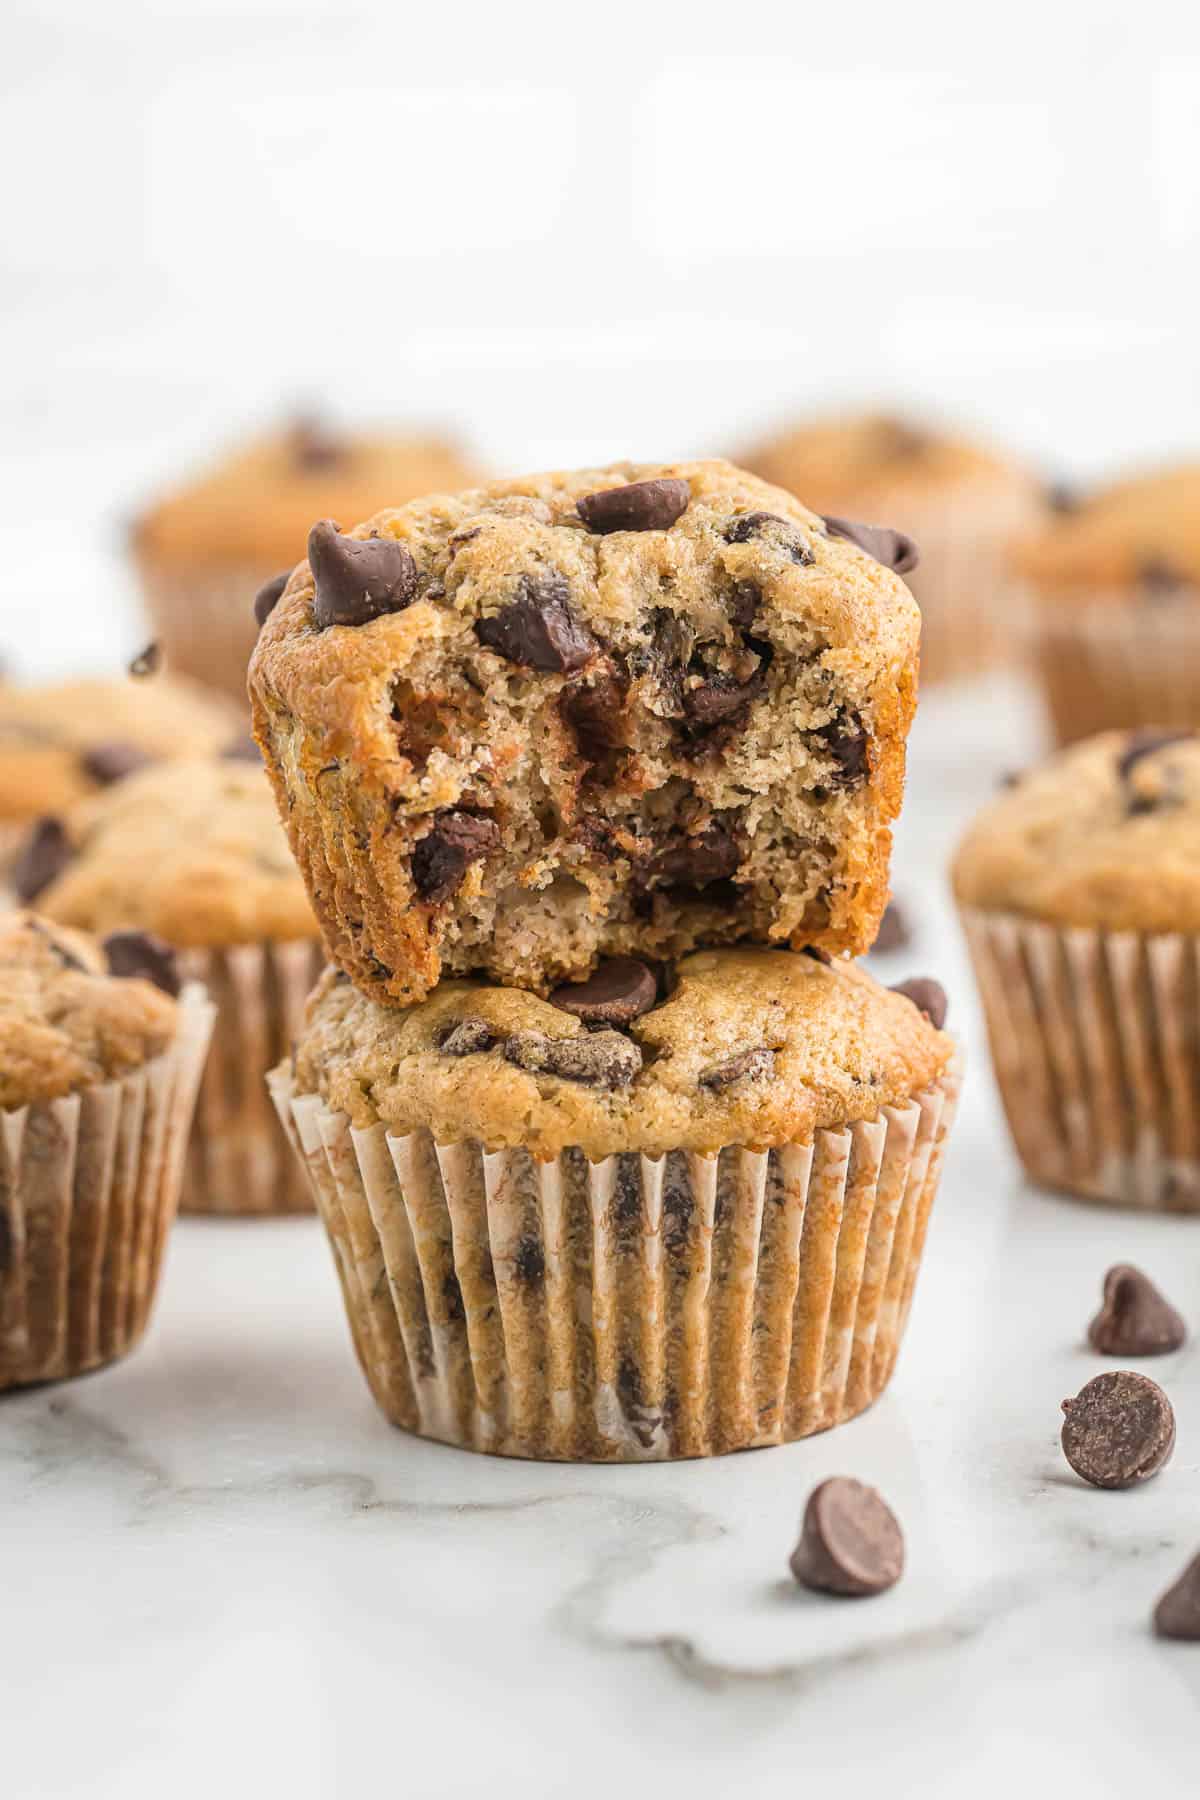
[
  {"x": 653, "y": 1217},
  {"x": 962, "y": 502},
  {"x": 192, "y": 853},
  {"x": 98, "y": 1080},
  {"x": 204, "y": 551},
  {"x": 1115, "y": 605},
  {"x": 623, "y": 711},
  {"x": 1080, "y": 893}
]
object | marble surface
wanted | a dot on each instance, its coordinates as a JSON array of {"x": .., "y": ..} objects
[{"x": 225, "y": 1574}]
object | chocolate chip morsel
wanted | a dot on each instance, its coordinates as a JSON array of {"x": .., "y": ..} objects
[
  {"x": 1119, "y": 1430},
  {"x": 139, "y": 953},
  {"x": 358, "y": 579},
  {"x": 108, "y": 763},
  {"x": 642, "y": 506},
  {"x": 891, "y": 548},
  {"x": 41, "y": 859},
  {"x": 537, "y": 629},
  {"x": 928, "y": 996},
  {"x": 845, "y": 739},
  {"x": 894, "y": 931},
  {"x": 441, "y": 858},
  {"x": 467, "y": 1038},
  {"x": 1146, "y": 743},
  {"x": 850, "y": 1542},
  {"x": 748, "y": 1065},
  {"x": 718, "y": 698},
  {"x": 1135, "y": 1319},
  {"x": 617, "y": 992},
  {"x": 268, "y": 597},
  {"x": 146, "y": 662},
  {"x": 818, "y": 955},
  {"x": 599, "y": 1058},
  {"x": 1177, "y": 1614},
  {"x": 713, "y": 855},
  {"x": 750, "y": 527}
]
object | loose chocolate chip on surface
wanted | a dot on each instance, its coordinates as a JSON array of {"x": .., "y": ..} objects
[
  {"x": 698, "y": 861},
  {"x": 358, "y": 579},
  {"x": 441, "y": 858},
  {"x": 1177, "y": 1614},
  {"x": 1135, "y": 1319},
  {"x": 138, "y": 953},
  {"x": 1119, "y": 1429},
  {"x": 599, "y": 1058},
  {"x": 467, "y": 1037},
  {"x": 241, "y": 749},
  {"x": 894, "y": 932},
  {"x": 928, "y": 996},
  {"x": 753, "y": 526},
  {"x": 269, "y": 596},
  {"x": 642, "y": 506},
  {"x": 850, "y": 1542},
  {"x": 146, "y": 662},
  {"x": 537, "y": 630},
  {"x": 891, "y": 548},
  {"x": 845, "y": 739},
  {"x": 748, "y": 1065},
  {"x": 107, "y": 763},
  {"x": 1146, "y": 743},
  {"x": 618, "y": 991},
  {"x": 41, "y": 859}
]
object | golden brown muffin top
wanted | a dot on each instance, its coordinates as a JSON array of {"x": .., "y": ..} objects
[
  {"x": 1144, "y": 532},
  {"x": 1105, "y": 835},
  {"x": 65, "y": 1022},
  {"x": 874, "y": 462},
  {"x": 191, "y": 851},
  {"x": 254, "y": 507},
  {"x": 752, "y": 1047}
]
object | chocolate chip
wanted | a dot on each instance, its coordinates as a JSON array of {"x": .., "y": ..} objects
[
  {"x": 642, "y": 506},
  {"x": 138, "y": 953},
  {"x": 850, "y": 1542},
  {"x": 595, "y": 713},
  {"x": 927, "y": 995},
  {"x": 750, "y": 527},
  {"x": 1135, "y": 1319},
  {"x": 537, "y": 630},
  {"x": 696, "y": 862},
  {"x": 241, "y": 749},
  {"x": 467, "y": 1038},
  {"x": 1158, "y": 578},
  {"x": 358, "y": 579},
  {"x": 147, "y": 661},
  {"x": 108, "y": 763},
  {"x": 744, "y": 602},
  {"x": 269, "y": 596},
  {"x": 845, "y": 739},
  {"x": 313, "y": 446},
  {"x": 1119, "y": 1430},
  {"x": 817, "y": 954},
  {"x": 41, "y": 859},
  {"x": 891, "y": 548},
  {"x": 1062, "y": 497},
  {"x": 1146, "y": 743},
  {"x": 1177, "y": 1614},
  {"x": 620, "y": 990},
  {"x": 749, "y": 1065},
  {"x": 894, "y": 932},
  {"x": 599, "y": 1058},
  {"x": 529, "y": 1262},
  {"x": 441, "y": 858}
]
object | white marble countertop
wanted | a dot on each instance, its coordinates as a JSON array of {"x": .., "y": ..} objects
[{"x": 225, "y": 1574}]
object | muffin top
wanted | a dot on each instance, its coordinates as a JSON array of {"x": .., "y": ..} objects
[
  {"x": 191, "y": 851},
  {"x": 255, "y": 507},
  {"x": 63, "y": 741},
  {"x": 873, "y": 461},
  {"x": 65, "y": 1021},
  {"x": 751, "y": 1047},
  {"x": 1144, "y": 532},
  {"x": 1106, "y": 835}
]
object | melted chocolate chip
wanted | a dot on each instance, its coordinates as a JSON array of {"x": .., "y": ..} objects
[
  {"x": 598, "y": 1058},
  {"x": 269, "y": 596},
  {"x": 696, "y": 862},
  {"x": 1177, "y": 1614},
  {"x": 41, "y": 859},
  {"x": 850, "y": 1542},
  {"x": 109, "y": 763},
  {"x": 147, "y": 661},
  {"x": 619, "y": 991},
  {"x": 358, "y": 579},
  {"x": 441, "y": 858},
  {"x": 1119, "y": 1430},
  {"x": 845, "y": 740},
  {"x": 749, "y": 1065},
  {"x": 1135, "y": 1319},
  {"x": 719, "y": 698},
  {"x": 928, "y": 996},
  {"x": 891, "y": 548},
  {"x": 744, "y": 602},
  {"x": 594, "y": 710},
  {"x": 750, "y": 527},
  {"x": 138, "y": 953},
  {"x": 467, "y": 1038},
  {"x": 537, "y": 630},
  {"x": 642, "y": 506}
]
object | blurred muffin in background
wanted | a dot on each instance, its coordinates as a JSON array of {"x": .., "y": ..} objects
[
  {"x": 204, "y": 551},
  {"x": 961, "y": 501},
  {"x": 1115, "y": 579}
]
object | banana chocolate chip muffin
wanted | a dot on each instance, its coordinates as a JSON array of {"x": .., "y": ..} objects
[
  {"x": 659, "y": 1214},
  {"x": 1080, "y": 892},
  {"x": 204, "y": 551},
  {"x": 98, "y": 1074},
  {"x": 622, "y": 711},
  {"x": 192, "y": 854}
]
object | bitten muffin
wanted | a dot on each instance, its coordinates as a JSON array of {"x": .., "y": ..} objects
[
  {"x": 98, "y": 1074},
  {"x": 962, "y": 501},
  {"x": 621, "y": 711},
  {"x": 652, "y": 1216},
  {"x": 1080, "y": 892},
  {"x": 193, "y": 854},
  {"x": 1115, "y": 580},
  {"x": 204, "y": 551}
]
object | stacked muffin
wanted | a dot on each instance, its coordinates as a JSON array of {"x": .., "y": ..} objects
[{"x": 590, "y": 777}]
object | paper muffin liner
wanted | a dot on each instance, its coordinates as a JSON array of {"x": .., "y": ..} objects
[
  {"x": 1119, "y": 661},
  {"x": 203, "y": 618},
  {"x": 239, "y": 1161},
  {"x": 633, "y": 1309},
  {"x": 88, "y": 1189},
  {"x": 1094, "y": 1043}
]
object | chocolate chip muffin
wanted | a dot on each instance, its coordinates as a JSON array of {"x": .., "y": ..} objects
[
  {"x": 191, "y": 855},
  {"x": 1115, "y": 583},
  {"x": 98, "y": 1074},
  {"x": 619, "y": 712},
  {"x": 662, "y": 1213},
  {"x": 962, "y": 501},
  {"x": 204, "y": 551},
  {"x": 1080, "y": 892}
]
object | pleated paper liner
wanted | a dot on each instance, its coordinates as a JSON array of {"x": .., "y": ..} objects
[
  {"x": 1118, "y": 662},
  {"x": 969, "y": 600},
  {"x": 88, "y": 1189},
  {"x": 1096, "y": 1052},
  {"x": 204, "y": 620},
  {"x": 631, "y": 1309},
  {"x": 239, "y": 1160}
]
